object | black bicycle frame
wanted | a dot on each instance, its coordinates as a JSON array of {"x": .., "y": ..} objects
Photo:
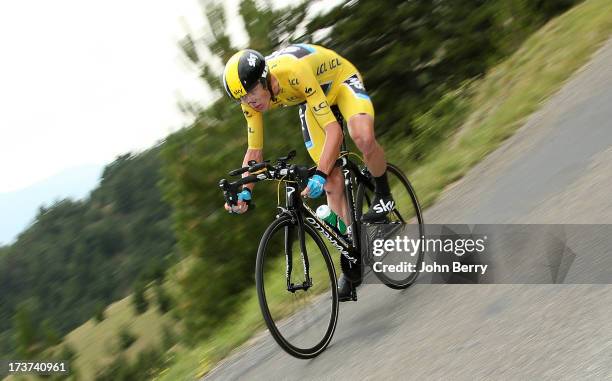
[{"x": 299, "y": 211}]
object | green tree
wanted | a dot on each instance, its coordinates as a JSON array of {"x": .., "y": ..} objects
[
  {"x": 51, "y": 336},
  {"x": 140, "y": 300},
  {"x": 26, "y": 333},
  {"x": 164, "y": 302},
  {"x": 169, "y": 337},
  {"x": 100, "y": 313},
  {"x": 126, "y": 338},
  {"x": 118, "y": 370}
]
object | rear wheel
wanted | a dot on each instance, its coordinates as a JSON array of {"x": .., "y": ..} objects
[
  {"x": 408, "y": 219},
  {"x": 303, "y": 321}
]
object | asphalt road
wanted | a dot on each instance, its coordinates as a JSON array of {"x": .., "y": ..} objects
[{"x": 557, "y": 169}]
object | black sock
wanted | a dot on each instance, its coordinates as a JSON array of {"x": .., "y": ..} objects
[{"x": 381, "y": 185}]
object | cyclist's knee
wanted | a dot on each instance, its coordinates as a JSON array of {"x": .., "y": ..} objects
[{"x": 362, "y": 133}]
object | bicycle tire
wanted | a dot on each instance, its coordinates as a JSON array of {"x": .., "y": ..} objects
[
  {"x": 283, "y": 342},
  {"x": 393, "y": 170}
]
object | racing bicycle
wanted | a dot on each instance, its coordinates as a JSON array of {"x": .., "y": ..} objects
[{"x": 299, "y": 301}]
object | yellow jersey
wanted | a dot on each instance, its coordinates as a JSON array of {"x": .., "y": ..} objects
[{"x": 307, "y": 74}]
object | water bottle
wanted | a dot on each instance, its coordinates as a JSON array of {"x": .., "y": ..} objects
[{"x": 325, "y": 213}]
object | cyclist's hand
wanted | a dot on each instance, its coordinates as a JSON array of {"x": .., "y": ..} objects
[
  {"x": 240, "y": 208},
  {"x": 315, "y": 185},
  {"x": 244, "y": 199}
]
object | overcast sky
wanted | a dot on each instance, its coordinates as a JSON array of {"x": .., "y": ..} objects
[{"x": 82, "y": 81}]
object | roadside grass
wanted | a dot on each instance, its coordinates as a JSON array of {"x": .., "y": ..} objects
[
  {"x": 498, "y": 105},
  {"x": 96, "y": 344}
]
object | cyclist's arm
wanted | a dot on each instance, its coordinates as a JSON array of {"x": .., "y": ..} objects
[
  {"x": 254, "y": 121},
  {"x": 331, "y": 148},
  {"x": 251, "y": 154},
  {"x": 317, "y": 102}
]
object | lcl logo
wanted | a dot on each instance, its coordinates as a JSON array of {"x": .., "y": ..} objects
[{"x": 320, "y": 107}]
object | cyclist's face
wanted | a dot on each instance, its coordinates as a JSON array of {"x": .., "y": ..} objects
[{"x": 258, "y": 98}]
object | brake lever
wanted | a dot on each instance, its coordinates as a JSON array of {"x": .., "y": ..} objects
[{"x": 230, "y": 193}]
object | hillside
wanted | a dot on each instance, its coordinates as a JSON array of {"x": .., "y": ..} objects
[
  {"x": 19, "y": 207},
  {"x": 79, "y": 256}
]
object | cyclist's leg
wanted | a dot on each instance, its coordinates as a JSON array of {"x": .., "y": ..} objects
[
  {"x": 356, "y": 106},
  {"x": 314, "y": 138},
  {"x": 334, "y": 189}
]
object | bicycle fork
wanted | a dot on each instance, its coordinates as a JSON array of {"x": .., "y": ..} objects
[{"x": 289, "y": 239}]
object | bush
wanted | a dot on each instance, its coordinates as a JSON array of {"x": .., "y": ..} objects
[
  {"x": 140, "y": 300},
  {"x": 440, "y": 121},
  {"x": 118, "y": 370},
  {"x": 126, "y": 338},
  {"x": 67, "y": 353},
  {"x": 168, "y": 337},
  {"x": 100, "y": 315},
  {"x": 164, "y": 301},
  {"x": 148, "y": 363}
]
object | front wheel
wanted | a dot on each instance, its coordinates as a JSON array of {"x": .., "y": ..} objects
[
  {"x": 302, "y": 320},
  {"x": 406, "y": 216}
]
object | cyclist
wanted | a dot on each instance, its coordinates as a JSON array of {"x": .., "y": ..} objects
[{"x": 313, "y": 78}]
